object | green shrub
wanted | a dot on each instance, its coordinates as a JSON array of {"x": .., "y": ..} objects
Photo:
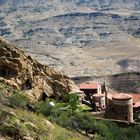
[
  {"x": 16, "y": 131},
  {"x": 18, "y": 100},
  {"x": 44, "y": 107},
  {"x": 72, "y": 100},
  {"x": 63, "y": 118},
  {"x": 82, "y": 122},
  {"x": 10, "y": 126}
]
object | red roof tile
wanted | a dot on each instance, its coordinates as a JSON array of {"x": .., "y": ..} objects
[
  {"x": 109, "y": 96},
  {"x": 137, "y": 104},
  {"x": 89, "y": 86},
  {"x": 136, "y": 97},
  {"x": 121, "y": 96},
  {"x": 98, "y": 95}
]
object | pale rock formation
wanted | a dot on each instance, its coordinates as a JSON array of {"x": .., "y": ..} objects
[{"x": 23, "y": 72}]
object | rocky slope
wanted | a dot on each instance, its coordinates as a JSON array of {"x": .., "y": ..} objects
[
  {"x": 20, "y": 119},
  {"x": 125, "y": 82},
  {"x": 23, "y": 72}
]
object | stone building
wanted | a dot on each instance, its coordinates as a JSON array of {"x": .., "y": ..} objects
[
  {"x": 117, "y": 106},
  {"x": 93, "y": 95},
  {"x": 121, "y": 107},
  {"x": 91, "y": 88},
  {"x": 136, "y": 102},
  {"x": 99, "y": 100}
]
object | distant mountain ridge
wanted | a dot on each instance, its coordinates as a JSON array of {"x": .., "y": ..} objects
[
  {"x": 110, "y": 3},
  {"x": 75, "y": 36},
  {"x": 95, "y": 4}
]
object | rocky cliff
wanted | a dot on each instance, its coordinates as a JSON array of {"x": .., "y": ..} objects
[{"x": 23, "y": 72}]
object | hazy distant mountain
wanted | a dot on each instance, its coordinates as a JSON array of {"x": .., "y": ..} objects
[
  {"x": 95, "y": 4},
  {"x": 80, "y": 37}
]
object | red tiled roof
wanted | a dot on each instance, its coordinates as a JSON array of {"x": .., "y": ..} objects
[
  {"x": 98, "y": 95},
  {"x": 137, "y": 104},
  {"x": 136, "y": 100},
  {"x": 136, "y": 97},
  {"x": 109, "y": 96},
  {"x": 89, "y": 86},
  {"x": 122, "y": 96}
]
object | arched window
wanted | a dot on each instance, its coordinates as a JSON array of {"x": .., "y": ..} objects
[
  {"x": 126, "y": 118},
  {"x": 112, "y": 109}
]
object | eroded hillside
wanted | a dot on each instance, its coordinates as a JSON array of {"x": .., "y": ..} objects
[
  {"x": 78, "y": 37},
  {"x": 23, "y": 72}
]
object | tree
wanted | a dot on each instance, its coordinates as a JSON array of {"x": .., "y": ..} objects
[{"x": 72, "y": 100}]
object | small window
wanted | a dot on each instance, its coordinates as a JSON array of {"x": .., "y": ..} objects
[
  {"x": 112, "y": 109},
  {"x": 125, "y": 118}
]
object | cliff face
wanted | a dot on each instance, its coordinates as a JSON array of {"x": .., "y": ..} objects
[
  {"x": 128, "y": 82},
  {"x": 125, "y": 82},
  {"x": 25, "y": 73}
]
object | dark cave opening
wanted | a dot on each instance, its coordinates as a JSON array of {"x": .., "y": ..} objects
[
  {"x": 44, "y": 96},
  {"x": 7, "y": 72},
  {"x": 27, "y": 85}
]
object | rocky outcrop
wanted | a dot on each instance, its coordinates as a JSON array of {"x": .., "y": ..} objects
[
  {"x": 125, "y": 82},
  {"x": 129, "y": 65},
  {"x": 23, "y": 72}
]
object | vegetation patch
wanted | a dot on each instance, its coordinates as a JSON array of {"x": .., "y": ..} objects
[{"x": 68, "y": 120}]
